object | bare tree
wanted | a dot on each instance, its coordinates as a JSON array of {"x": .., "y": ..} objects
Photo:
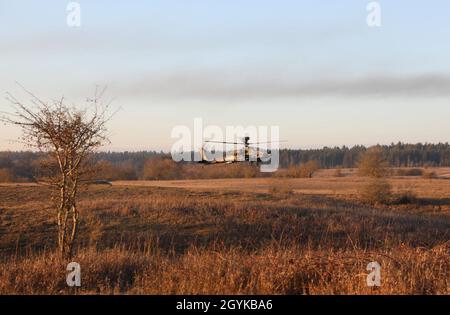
[
  {"x": 372, "y": 163},
  {"x": 68, "y": 134}
]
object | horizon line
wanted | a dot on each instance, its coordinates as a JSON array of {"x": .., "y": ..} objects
[{"x": 160, "y": 151}]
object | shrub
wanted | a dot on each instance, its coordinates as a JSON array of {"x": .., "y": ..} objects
[
  {"x": 6, "y": 176},
  {"x": 429, "y": 175},
  {"x": 373, "y": 164},
  {"x": 238, "y": 170},
  {"x": 376, "y": 191},
  {"x": 305, "y": 170},
  {"x": 409, "y": 172},
  {"x": 161, "y": 169},
  {"x": 407, "y": 197},
  {"x": 281, "y": 190}
]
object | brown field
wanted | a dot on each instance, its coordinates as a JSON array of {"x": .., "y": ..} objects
[
  {"x": 233, "y": 236},
  {"x": 321, "y": 185}
]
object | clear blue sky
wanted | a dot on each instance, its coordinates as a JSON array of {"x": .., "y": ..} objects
[{"x": 312, "y": 67}]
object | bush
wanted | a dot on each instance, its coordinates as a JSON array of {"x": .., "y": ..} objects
[
  {"x": 376, "y": 191},
  {"x": 409, "y": 172},
  {"x": 429, "y": 175},
  {"x": 280, "y": 189},
  {"x": 124, "y": 170},
  {"x": 161, "y": 169},
  {"x": 305, "y": 170},
  {"x": 407, "y": 197},
  {"x": 6, "y": 176},
  {"x": 372, "y": 163},
  {"x": 238, "y": 170}
]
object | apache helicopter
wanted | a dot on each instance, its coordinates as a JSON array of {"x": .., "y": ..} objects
[{"x": 250, "y": 154}]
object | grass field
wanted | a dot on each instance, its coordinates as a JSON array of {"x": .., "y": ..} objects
[
  {"x": 234, "y": 236},
  {"x": 331, "y": 186}
]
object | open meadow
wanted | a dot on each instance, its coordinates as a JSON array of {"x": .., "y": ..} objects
[{"x": 232, "y": 236}]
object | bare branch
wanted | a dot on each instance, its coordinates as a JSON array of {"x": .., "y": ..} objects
[{"x": 68, "y": 134}]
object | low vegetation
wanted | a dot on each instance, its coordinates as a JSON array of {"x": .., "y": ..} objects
[
  {"x": 409, "y": 172},
  {"x": 151, "y": 240},
  {"x": 376, "y": 191},
  {"x": 305, "y": 170}
]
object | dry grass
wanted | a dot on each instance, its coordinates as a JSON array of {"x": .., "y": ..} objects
[
  {"x": 266, "y": 239},
  {"x": 270, "y": 270},
  {"x": 324, "y": 183}
]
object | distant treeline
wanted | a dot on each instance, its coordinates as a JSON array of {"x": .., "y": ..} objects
[
  {"x": 23, "y": 166},
  {"x": 398, "y": 155}
]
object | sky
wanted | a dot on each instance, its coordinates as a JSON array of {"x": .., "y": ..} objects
[{"x": 313, "y": 68}]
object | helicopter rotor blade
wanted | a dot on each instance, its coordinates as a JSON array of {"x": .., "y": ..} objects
[
  {"x": 281, "y": 141},
  {"x": 256, "y": 148},
  {"x": 224, "y": 142}
]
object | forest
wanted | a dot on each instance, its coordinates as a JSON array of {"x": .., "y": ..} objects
[{"x": 23, "y": 166}]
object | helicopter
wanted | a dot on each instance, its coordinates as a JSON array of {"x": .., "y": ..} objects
[{"x": 251, "y": 154}]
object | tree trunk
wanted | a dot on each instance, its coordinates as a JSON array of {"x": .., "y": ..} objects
[{"x": 68, "y": 220}]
